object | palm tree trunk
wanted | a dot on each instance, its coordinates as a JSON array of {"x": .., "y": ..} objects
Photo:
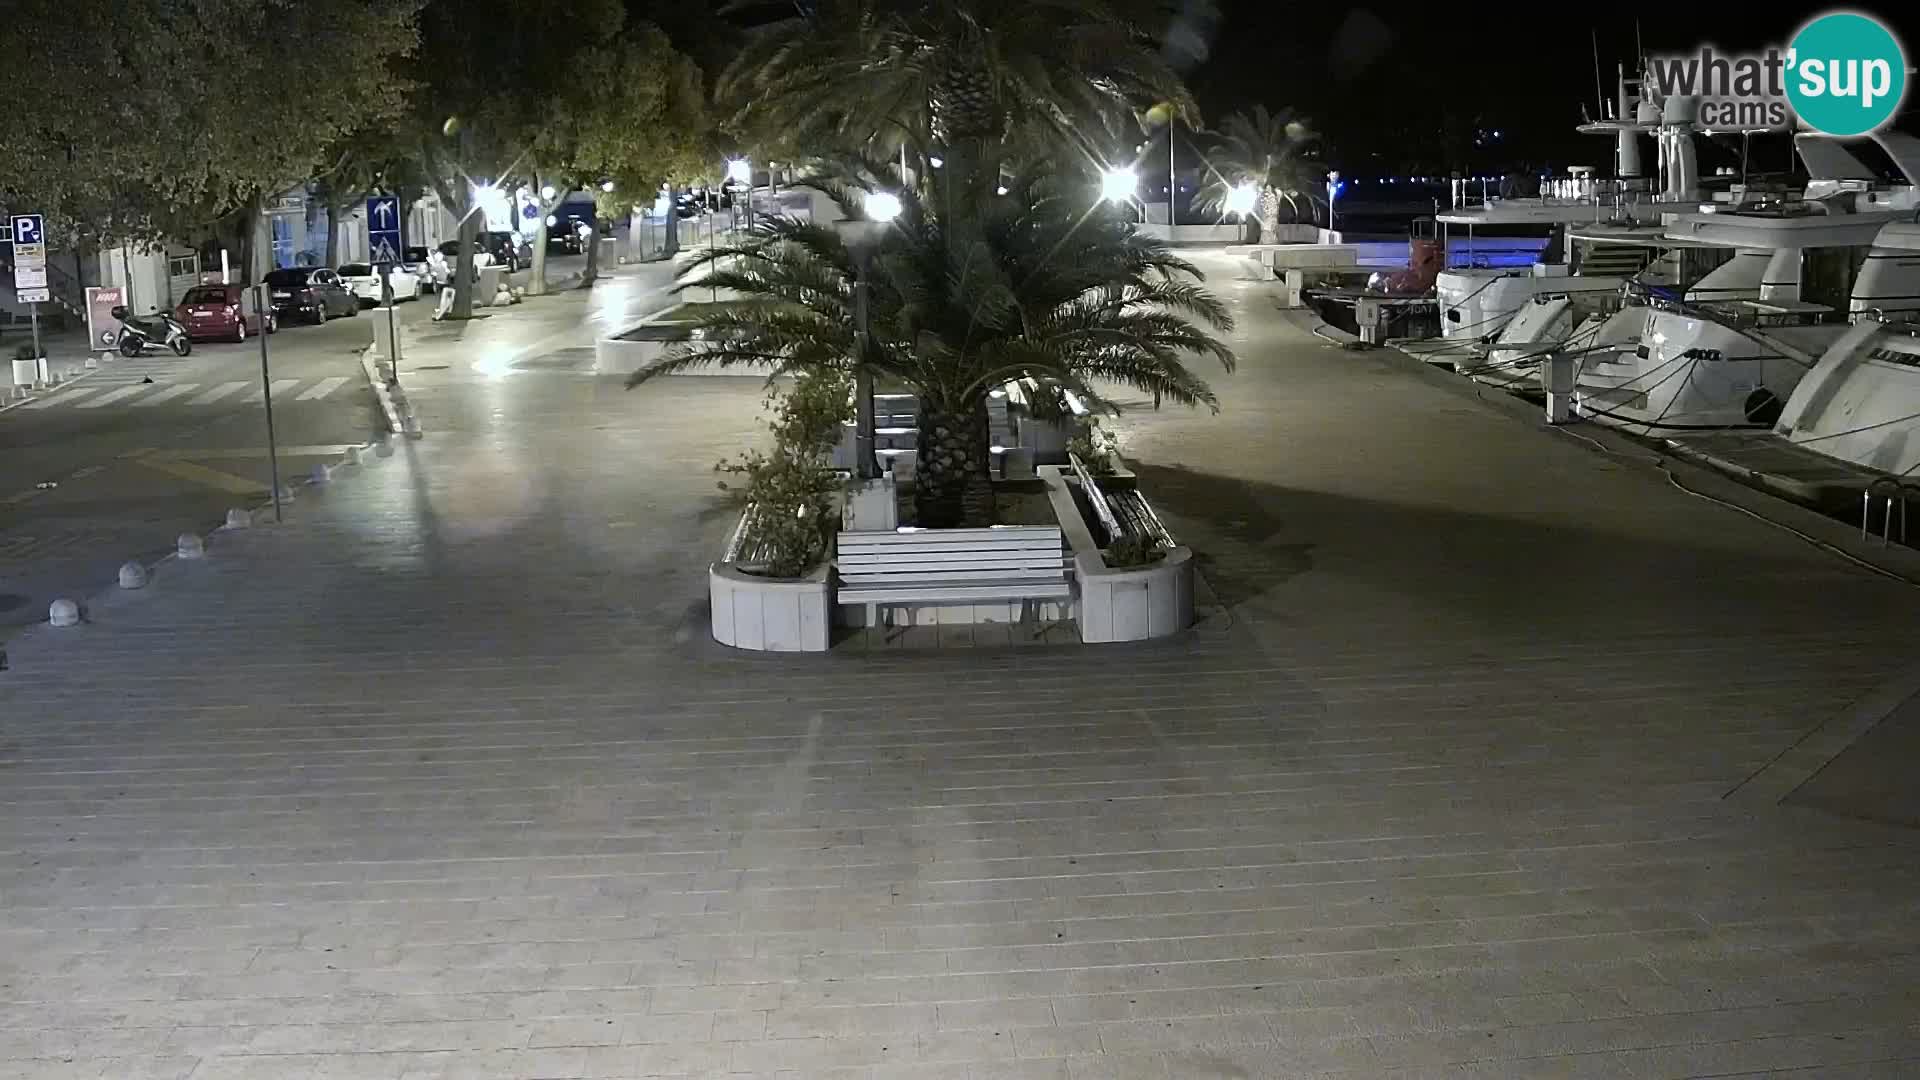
[
  {"x": 1269, "y": 215},
  {"x": 950, "y": 485}
]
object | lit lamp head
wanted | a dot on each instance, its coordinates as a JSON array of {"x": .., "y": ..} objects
[
  {"x": 548, "y": 192},
  {"x": 739, "y": 170},
  {"x": 606, "y": 186},
  {"x": 1242, "y": 199},
  {"x": 1118, "y": 185},
  {"x": 881, "y": 206}
]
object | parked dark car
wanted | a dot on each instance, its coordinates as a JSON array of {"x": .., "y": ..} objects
[
  {"x": 310, "y": 292},
  {"x": 220, "y": 313}
]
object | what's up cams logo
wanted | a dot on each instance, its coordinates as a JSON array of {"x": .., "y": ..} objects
[{"x": 1844, "y": 74}]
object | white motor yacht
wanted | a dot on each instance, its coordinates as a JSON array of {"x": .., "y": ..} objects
[
  {"x": 1861, "y": 402},
  {"x": 1717, "y": 362},
  {"x": 1593, "y": 235}
]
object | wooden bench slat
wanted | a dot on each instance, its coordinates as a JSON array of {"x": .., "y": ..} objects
[
  {"x": 1025, "y": 562},
  {"x": 958, "y": 573}
]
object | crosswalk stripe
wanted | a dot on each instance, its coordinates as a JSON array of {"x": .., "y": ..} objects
[
  {"x": 62, "y": 398},
  {"x": 280, "y": 386},
  {"x": 168, "y": 394},
  {"x": 112, "y": 396},
  {"x": 218, "y": 392},
  {"x": 322, "y": 388}
]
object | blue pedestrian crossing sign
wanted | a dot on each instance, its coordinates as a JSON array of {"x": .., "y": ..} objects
[
  {"x": 29, "y": 229},
  {"x": 384, "y": 223}
]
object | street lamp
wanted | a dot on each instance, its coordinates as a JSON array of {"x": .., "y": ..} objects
[
  {"x": 740, "y": 170},
  {"x": 1334, "y": 186},
  {"x": 1242, "y": 199},
  {"x": 548, "y": 193},
  {"x": 880, "y": 209},
  {"x": 606, "y": 186},
  {"x": 1118, "y": 184}
]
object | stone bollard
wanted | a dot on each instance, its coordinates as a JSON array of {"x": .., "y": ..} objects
[
  {"x": 133, "y": 576},
  {"x": 63, "y": 613},
  {"x": 286, "y": 494},
  {"x": 190, "y": 546},
  {"x": 322, "y": 473},
  {"x": 239, "y": 519},
  {"x": 353, "y": 455}
]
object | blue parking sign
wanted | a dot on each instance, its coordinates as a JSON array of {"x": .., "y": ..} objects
[{"x": 29, "y": 229}]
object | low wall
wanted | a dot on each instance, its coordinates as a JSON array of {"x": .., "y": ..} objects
[{"x": 1226, "y": 232}]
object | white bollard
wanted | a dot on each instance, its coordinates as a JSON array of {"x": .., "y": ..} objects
[
  {"x": 353, "y": 455},
  {"x": 286, "y": 494},
  {"x": 239, "y": 519},
  {"x": 322, "y": 473},
  {"x": 1562, "y": 374},
  {"x": 190, "y": 546},
  {"x": 133, "y": 576},
  {"x": 63, "y": 613}
]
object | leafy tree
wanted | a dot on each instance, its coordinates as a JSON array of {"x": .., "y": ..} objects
[
  {"x": 872, "y": 75},
  {"x": 559, "y": 95},
  {"x": 638, "y": 118},
  {"x": 132, "y": 119},
  {"x": 1270, "y": 151},
  {"x": 1036, "y": 284}
]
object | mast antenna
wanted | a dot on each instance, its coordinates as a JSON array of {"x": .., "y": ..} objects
[{"x": 1599, "y": 95}]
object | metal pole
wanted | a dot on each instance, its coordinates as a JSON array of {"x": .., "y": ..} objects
[
  {"x": 34, "y": 310},
  {"x": 1173, "y": 177},
  {"x": 713, "y": 215},
  {"x": 863, "y": 433},
  {"x": 393, "y": 332},
  {"x": 266, "y": 394}
]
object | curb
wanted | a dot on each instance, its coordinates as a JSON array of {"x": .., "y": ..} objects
[
  {"x": 393, "y": 400},
  {"x": 79, "y": 374}
]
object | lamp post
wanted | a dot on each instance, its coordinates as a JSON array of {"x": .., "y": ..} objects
[
  {"x": 1333, "y": 192},
  {"x": 1118, "y": 184},
  {"x": 863, "y": 236}
]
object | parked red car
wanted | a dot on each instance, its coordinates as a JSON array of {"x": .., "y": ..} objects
[{"x": 221, "y": 313}]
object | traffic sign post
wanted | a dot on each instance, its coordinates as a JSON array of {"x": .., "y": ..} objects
[
  {"x": 384, "y": 231},
  {"x": 29, "y": 234}
]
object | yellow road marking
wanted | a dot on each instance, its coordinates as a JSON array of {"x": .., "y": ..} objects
[{"x": 200, "y": 474}]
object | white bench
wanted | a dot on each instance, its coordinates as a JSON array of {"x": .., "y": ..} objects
[{"x": 912, "y": 567}]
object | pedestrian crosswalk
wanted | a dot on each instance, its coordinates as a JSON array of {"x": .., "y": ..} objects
[{"x": 100, "y": 393}]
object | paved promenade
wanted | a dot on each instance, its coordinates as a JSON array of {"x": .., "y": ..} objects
[{"x": 1474, "y": 770}]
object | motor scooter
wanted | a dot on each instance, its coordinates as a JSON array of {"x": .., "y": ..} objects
[{"x": 156, "y": 331}]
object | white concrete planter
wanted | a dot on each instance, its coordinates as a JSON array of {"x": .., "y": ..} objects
[
  {"x": 770, "y": 614},
  {"x": 1137, "y": 603}
]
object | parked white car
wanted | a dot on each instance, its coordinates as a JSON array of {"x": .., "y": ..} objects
[{"x": 364, "y": 282}]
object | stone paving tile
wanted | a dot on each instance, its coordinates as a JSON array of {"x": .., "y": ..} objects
[{"x": 442, "y": 780}]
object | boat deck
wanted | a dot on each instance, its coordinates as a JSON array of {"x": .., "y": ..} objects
[{"x": 1763, "y": 458}]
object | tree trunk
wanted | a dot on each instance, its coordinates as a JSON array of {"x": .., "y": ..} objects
[
  {"x": 537, "y": 274},
  {"x": 1269, "y": 215},
  {"x": 333, "y": 234},
  {"x": 463, "y": 264},
  {"x": 671, "y": 245},
  {"x": 951, "y": 487},
  {"x": 592, "y": 271}
]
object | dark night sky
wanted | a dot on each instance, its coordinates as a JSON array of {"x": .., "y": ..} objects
[{"x": 1386, "y": 79}]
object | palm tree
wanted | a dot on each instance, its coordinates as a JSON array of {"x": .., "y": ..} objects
[
  {"x": 1270, "y": 151},
  {"x": 1035, "y": 284},
  {"x": 871, "y": 76}
]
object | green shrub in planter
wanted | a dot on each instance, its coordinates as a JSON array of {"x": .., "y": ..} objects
[
  {"x": 1132, "y": 550},
  {"x": 1094, "y": 445},
  {"x": 793, "y": 493}
]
